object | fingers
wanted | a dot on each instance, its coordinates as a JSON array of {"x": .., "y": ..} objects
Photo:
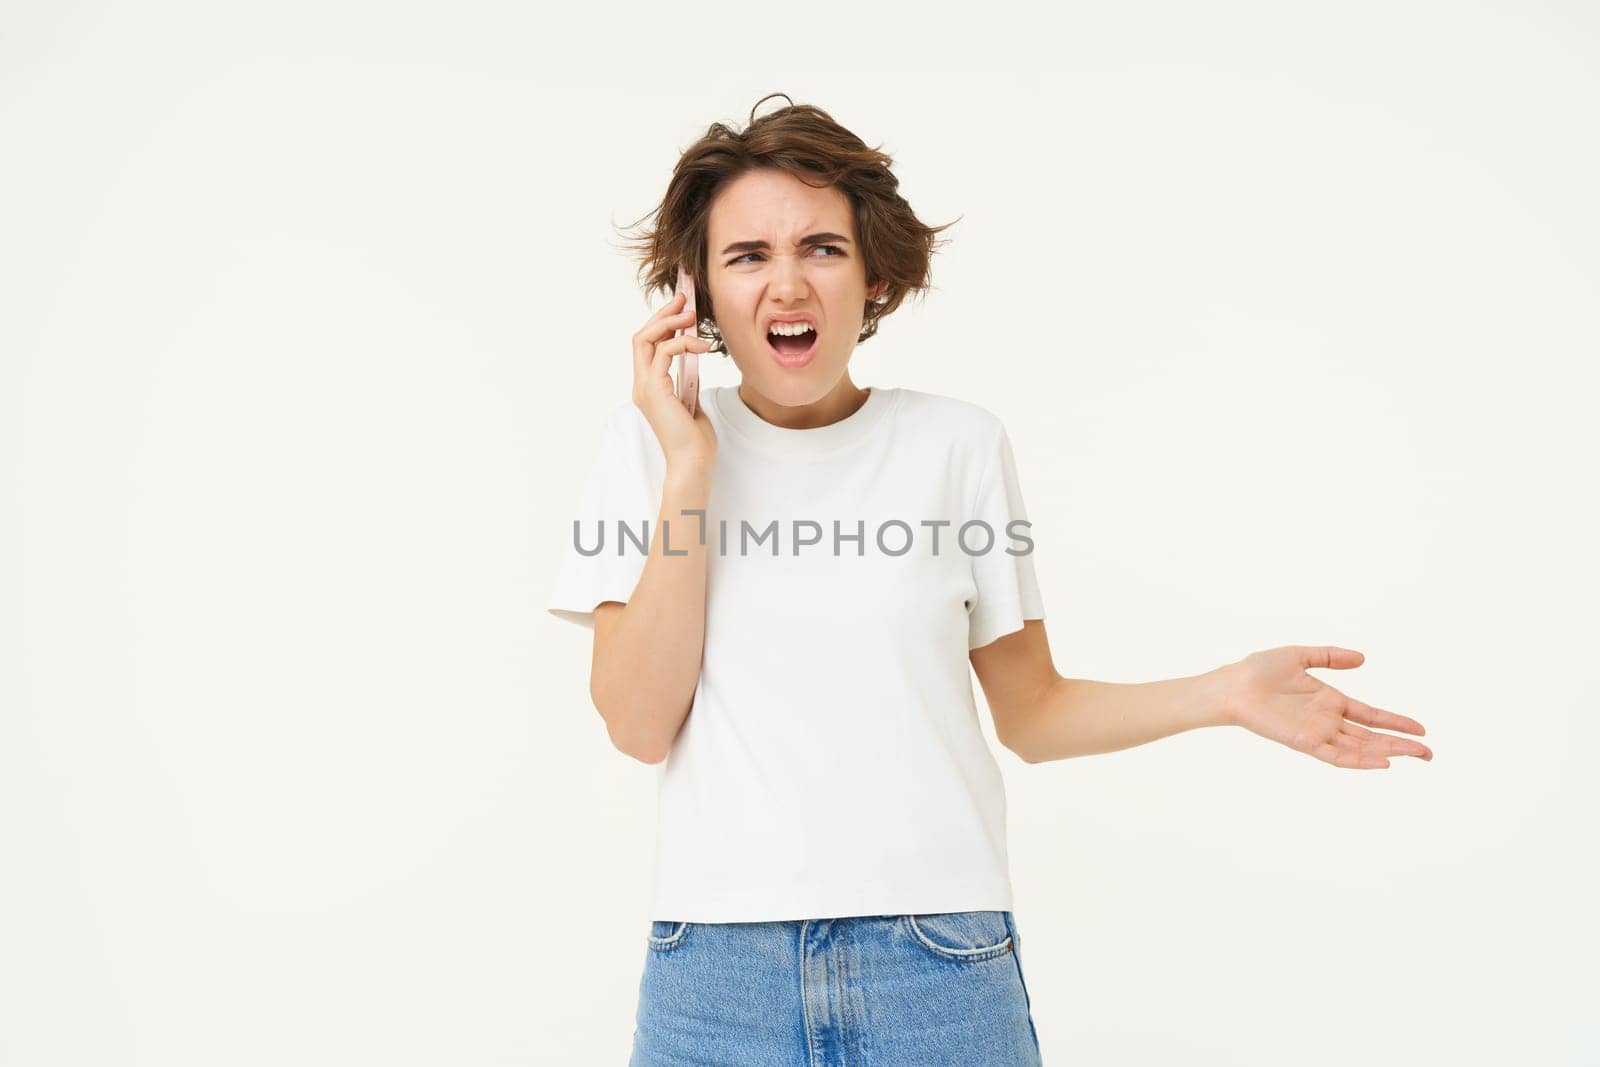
[
  {"x": 665, "y": 350},
  {"x": 1384, "y": 744},
  {"x": 1330, "y": 656},
  {"x": 656, "y": 327},
  {"x": 663, "y": 322},
  {"x": 674, "y": 302},
  {"x": 1343, "y": 753},
  {"x": 1383, "y": 720}
]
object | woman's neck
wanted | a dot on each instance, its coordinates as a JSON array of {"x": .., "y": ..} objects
[{"x": 844, "y": 400}]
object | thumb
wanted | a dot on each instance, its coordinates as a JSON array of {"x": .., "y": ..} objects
[{"x": 1331, "y": 656}]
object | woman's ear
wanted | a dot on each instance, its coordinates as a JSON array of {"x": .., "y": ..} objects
[{"x": 874, "y": 292}]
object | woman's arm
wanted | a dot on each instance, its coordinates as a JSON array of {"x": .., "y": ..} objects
[
  {"x": 1042, "y": 716},
  {"x": 647, "y": 652}
]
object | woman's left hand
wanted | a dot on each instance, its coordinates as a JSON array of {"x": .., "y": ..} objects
[{"x": 1269, "y": 693}]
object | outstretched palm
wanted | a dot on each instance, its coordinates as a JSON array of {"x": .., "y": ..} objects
[{"x": 1271, "y": 694}]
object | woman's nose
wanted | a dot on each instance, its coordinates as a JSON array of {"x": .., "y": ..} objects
[{"x": 788, "y": 278}]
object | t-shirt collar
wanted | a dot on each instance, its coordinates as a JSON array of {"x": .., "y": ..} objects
[{"x": 807, "y": 442}]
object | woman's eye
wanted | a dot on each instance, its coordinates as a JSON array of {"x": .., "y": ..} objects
[{"x": 747, "y": 255}]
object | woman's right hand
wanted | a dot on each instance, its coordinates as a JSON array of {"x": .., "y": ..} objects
[{"x": 687, "y": 442}]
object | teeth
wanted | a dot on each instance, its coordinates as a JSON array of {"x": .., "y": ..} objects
[{"x": 790, "y": 329}]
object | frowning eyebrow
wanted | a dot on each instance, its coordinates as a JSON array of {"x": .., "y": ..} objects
[{"x": 809, "y": 239}]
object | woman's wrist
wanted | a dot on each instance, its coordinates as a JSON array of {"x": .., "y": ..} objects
[
  {"x": 1218, "y": 688},
  {"x": 689, "y": 474}
]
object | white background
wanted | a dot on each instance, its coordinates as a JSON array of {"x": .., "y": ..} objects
[{"x": 309, "y": 314}]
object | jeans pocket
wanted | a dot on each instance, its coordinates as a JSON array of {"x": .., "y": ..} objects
[
  {"x": 666, "y": 935},
  {"x": 960, "y": 936}
]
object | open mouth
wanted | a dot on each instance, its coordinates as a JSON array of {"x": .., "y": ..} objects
[{"x": 792, "y": 349}]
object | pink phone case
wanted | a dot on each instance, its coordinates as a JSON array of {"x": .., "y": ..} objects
[{"x": 688, "y": 362}]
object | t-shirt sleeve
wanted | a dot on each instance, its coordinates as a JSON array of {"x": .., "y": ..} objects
[
  {"x": 1007, "y": 589},
  {"x": 617, "y": 489}
]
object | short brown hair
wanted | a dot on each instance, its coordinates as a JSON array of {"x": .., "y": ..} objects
[{"x": 896, "y": 247}]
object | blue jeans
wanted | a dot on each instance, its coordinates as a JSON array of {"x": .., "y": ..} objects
[{"x": 861, "y": 991}]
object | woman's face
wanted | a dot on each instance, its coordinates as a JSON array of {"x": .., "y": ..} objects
[{"x": 765, "y": 260}]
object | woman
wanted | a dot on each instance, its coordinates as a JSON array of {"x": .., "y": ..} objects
[{"x": 786, "y": 590}]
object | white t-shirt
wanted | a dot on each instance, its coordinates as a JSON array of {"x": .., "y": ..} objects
[{"x": 832, "y": 763}]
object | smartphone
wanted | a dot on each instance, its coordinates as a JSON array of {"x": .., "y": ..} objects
[{"x": 688, "y": 382}]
